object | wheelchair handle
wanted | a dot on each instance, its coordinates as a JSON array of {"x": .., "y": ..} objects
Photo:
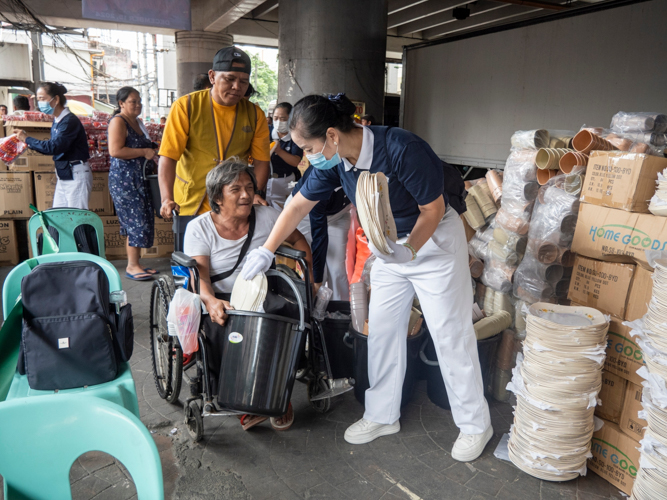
[
  {"x": 272, "y": 272},
  {"x": 423, "y": 357}
]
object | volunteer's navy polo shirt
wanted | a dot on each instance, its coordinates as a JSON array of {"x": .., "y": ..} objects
[
  {"x": 415, "y": 174},
  {"x": 280, "y": 166}
]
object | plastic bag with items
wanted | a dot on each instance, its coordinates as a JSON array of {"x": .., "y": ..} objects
[
  {"x": 184, "y": 317},
  {"x": 11, "y": 148}
]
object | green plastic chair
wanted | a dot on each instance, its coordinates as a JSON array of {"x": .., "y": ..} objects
[
  {"x": 121, "y": 390},
  {"x": 42, "y": 437},
  {"x": 66, "y": 220}
]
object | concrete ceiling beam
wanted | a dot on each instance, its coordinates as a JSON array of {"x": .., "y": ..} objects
[{"x": 422, "y": 11}]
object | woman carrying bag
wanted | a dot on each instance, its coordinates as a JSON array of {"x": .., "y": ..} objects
[
  {"x": 68, "y": 146},
  {"x": 429, "y": 259},
  {"x": 130, "y": 148}
]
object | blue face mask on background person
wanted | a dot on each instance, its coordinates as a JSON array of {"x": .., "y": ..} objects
[
  {"x": 318, "y": 160},
  {"x": 45, "y": 106}
]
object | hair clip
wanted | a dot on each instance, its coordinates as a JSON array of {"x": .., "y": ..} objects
[{"x": 337, "y": 97}]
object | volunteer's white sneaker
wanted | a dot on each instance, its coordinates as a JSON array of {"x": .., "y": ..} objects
[
  {"x": 365, "y": 431},
  {"x": 470, "y": 446}
]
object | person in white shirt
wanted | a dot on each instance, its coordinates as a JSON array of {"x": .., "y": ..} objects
[{"x": 215, "y": 240}]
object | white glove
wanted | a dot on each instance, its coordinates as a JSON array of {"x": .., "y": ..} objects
[
  {"x": 258, "y": 261},
  {"x": 400, "y": 253}
]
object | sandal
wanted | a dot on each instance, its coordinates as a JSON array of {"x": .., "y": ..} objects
[
  {"x": 249, "y": 421},
  {"x": 284, "y": 422},
  {"x": 139, "y": 276},
  {"x": 150, "y": 271}
]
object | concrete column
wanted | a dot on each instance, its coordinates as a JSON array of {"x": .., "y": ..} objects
[
  {"x": 331, "y": 47},
  {"x": 194, "y": 55}
]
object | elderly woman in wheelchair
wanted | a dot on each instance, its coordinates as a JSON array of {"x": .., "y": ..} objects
[{"x": 218, "y": 242}]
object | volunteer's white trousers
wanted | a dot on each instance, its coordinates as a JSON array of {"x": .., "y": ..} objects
[
  {"x": 440, "y": 277},
  {"x": 74, "y": 193},
  {"x": 277, "y": 191},
  {"x": 335, "y": 272}
]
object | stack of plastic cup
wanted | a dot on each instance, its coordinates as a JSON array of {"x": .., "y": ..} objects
[{"x": 359, "y": 305}]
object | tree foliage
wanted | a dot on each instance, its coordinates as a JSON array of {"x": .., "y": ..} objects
[{"x": 265, "y": 82}]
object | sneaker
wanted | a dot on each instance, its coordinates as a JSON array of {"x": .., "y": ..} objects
[
  {"x": 284, "y": 422},
  {"x": 250, "y": 421},
  {"x": 364, "y": 431},
  {"x": 470, "y": 446}
]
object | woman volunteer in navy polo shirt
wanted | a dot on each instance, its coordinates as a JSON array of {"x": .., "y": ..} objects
[
  {"x": 285, "y": 156},
  {"x": 429, "y": 259},
  {"x": 68, "y": 145}
]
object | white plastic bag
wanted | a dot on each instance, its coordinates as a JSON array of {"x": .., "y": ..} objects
[{"x": 185, "y": 316}]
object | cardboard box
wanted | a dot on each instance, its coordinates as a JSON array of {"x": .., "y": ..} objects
[
  {"x": 32, "y": 160},
  {"x": 601, "y": 285},
  {"x": 45, "y": 187},
  {"x": 9, "y": 246},
  {"x": 15, "y": 195},
  {"x": 618, "y": 236},
  {"x": 163, "y": 241},
  {"x": 114, "y": 243},
  {"x": 615, "y": 457},
  {"x": 630, "y": 423},
  {"x": 612, "y": 396},
  {"x": 621, "y": 180},
  {"x": 100, "y": 198},
  {"x": 624, "y": 356},
  {"x": 640, "y": 294}
]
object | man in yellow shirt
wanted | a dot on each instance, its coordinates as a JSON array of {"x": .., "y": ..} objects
[{"x": 206, "y": 127}]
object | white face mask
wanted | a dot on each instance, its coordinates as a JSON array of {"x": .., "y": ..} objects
[{"x": 281, "y": 127}]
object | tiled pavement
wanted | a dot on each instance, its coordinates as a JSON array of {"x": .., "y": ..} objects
[{"x": 311, "y": 460}]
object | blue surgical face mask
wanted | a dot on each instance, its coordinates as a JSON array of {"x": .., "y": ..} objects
[
  {"x": 45, "y": 107},
  {"x": 318, "y": 160}
]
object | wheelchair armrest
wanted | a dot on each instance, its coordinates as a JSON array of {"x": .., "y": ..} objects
[
  {"x": 183, "y": 260},
  {"x": 290, "y": 253}
]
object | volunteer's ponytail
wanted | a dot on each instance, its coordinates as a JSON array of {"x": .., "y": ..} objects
[{"x": 315, "y": 114}]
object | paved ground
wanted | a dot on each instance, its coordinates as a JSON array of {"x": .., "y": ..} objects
[{"x": 311, "y": 460}]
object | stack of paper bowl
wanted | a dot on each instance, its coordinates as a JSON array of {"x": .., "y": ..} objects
[
  {"x": 375, "y": 211},
  {"x": 249, "y": 295},
  {"x": 651, "y": 482},
  {"x": 557, "y": 382}
]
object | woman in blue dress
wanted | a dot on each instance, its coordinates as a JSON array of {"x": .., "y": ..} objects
[{"x": 129, "y": 147}]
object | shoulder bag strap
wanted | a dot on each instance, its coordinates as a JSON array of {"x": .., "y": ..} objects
[{"x": 244, "y": 250}]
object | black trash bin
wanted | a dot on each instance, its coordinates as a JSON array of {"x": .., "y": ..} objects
[
  {"x": 341, "y": 357},
  {"x": 435, "y": 385},
  {"x": 361, "y": 383}
]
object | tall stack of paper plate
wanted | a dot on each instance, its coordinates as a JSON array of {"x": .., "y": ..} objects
[
  {"x": 651, "y": 333},
  {"x": 557, "y": 381},
  {"x": 375, "y": 211}
]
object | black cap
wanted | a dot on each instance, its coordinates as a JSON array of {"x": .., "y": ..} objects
[{"x": 226, "y": 57}]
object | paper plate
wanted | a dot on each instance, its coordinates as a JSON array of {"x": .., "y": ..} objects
[
  {"x": 249, "y": 295},
  {"x": 374, "y": 210}
]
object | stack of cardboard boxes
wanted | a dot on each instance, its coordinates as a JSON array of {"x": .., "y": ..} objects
[
  {"x": 611, "y": 274},
  {"x": 31, "y": 179}
]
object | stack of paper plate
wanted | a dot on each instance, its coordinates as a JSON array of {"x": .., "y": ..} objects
[
  {"x": 658, "y": 205},
  {"x": 249, "y": 295},
  {"x": 651, "y": 333},
  {"x": 375, "y": 211},
  {"x": 557, "y": 382}
]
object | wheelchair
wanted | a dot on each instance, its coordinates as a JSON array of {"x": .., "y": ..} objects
[{"x": 171, "y": 369}]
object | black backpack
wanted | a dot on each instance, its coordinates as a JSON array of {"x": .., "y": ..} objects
[{"x": 72, "y": 335}]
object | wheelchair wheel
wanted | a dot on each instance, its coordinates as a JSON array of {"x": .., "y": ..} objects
[
  {"x": 165, "y": 349},
  {"x": 317, "y": 385},
  {"x": 194, "y": 421}
]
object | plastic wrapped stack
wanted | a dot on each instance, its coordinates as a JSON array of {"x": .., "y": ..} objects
[
  {"x": 658, "y": 205},
  {"x": 545, "y": 272},
  {"x": 98, "y": 144},
  {"x": 557, "y": 384},
  {"x": 651, "y": 333},
  {"x": 639, "y": 132}
]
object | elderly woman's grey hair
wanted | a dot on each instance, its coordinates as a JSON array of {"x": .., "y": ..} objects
[{"x": 223, "y": 174}]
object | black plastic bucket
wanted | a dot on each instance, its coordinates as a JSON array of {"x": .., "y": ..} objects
[
  {"x": 435, "y": 385},
  {"x": 341, "y": 357},
  {"x": 260, "y": 353},
  {"x": 361, "y": 383}
]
